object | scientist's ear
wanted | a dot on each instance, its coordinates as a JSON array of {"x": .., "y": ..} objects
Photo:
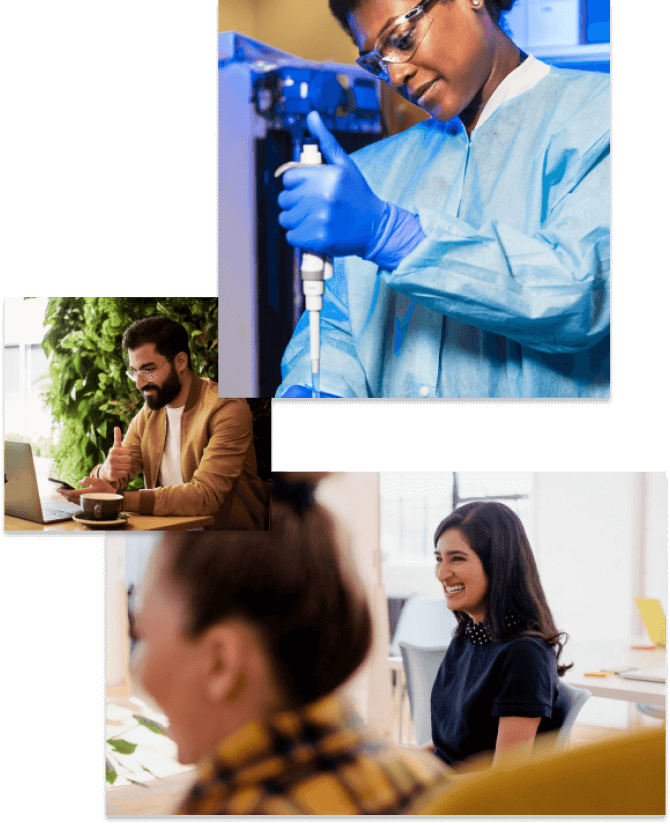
[{"x": 227, "y": 653}]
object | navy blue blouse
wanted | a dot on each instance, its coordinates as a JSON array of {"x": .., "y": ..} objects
[{"x": 478, "y": 683}]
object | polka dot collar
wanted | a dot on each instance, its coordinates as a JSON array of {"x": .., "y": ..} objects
[{"x": 479, "y": 633}]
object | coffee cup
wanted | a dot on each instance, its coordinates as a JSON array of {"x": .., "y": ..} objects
[{"x": 101, "y": 506}]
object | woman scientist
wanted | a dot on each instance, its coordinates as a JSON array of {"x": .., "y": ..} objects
[
  {"x": 498, "y": 684},
  {"x": 472, "y": 250},
  {"x": 242, "y": 640}
]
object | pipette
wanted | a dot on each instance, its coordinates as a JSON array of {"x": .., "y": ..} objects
[{"x": 314, "y": 270}]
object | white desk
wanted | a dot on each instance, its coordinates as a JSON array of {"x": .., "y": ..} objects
[{"x": 614, "y": 654}]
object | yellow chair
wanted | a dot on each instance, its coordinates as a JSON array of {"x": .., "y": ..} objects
[{"x": 622, "y": 775}]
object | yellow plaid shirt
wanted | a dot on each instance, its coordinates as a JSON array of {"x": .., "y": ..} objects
[{"x": 314, "y": 761}]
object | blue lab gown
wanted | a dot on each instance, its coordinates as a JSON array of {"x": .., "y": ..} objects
[{"x": 508, "y": 295}]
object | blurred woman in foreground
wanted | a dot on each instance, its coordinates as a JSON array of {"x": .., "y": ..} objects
[{"x": 243, "y": 639}]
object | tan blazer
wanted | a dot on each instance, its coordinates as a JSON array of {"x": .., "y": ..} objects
[{"x": 218, "y": 461}]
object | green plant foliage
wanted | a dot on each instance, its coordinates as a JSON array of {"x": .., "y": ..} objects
[
  {"x": 90, "y": 393},
  {"x": 121, "y": 746},
  {"x": 155, "y": 727},
  {"x": 110, "y": 773}
]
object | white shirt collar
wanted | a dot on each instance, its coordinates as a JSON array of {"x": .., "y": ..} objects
[{"x": 523, "y": 78}]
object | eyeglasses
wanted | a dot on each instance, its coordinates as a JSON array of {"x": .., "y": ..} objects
[
  {"x": 147, "y": 375},
  {"x": 399, "y": 43}
]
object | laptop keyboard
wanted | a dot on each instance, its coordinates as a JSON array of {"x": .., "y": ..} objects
[{"x": 59, "y": 512}]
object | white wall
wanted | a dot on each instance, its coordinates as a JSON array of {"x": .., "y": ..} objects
[{"x": 354, "y": 499}]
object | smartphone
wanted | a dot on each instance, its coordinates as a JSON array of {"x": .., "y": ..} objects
[{"x": 62, "y": 484}]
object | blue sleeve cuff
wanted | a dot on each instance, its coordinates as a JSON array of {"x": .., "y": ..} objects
[
  {"x": 296, "y": 391},
  {"x": 400, "y": 234}
]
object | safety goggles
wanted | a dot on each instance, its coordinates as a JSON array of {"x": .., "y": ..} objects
[{"x": 399, "y": 43}]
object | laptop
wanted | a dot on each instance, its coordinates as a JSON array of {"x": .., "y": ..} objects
[
  {"x": 654, "y": 621},
  {"x": 22, "y": 498}
]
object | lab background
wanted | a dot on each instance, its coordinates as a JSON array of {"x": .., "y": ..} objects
[
  {"x": 599, "y": 539},
  {"x": 279, "y": 59}
]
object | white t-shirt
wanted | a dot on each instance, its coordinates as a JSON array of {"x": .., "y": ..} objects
[{"x": 170, "y": 471}]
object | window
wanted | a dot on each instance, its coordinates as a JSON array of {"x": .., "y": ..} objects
[{"x": 413, "y": 504}]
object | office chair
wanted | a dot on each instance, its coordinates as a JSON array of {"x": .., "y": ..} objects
[
  {"x": 578, "y": 697},
  {"x": 423, "y": 634}
]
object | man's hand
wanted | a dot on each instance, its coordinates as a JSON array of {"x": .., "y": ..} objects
[
  {"x": 119, "y": 459},
  {"x": 95, "y": 485}
]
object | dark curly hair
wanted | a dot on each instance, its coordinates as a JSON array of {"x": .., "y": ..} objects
[
  {"x": 341, "y": 9},
  {"x": 169, "y": 337},
  {"x": 497, "y": 536}
]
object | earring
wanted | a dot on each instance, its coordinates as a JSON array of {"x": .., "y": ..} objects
[{"x": 475, "y": 3}]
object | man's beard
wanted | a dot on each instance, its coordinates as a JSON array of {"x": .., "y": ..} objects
[{"x": 161, "y": 396}]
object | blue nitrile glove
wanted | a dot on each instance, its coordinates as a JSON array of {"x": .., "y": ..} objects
[
  {"x": 296, "y": 391},
  {"x": 331, "y": 210}
]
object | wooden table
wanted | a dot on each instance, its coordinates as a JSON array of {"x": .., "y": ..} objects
[
  {"x": 160, "y": 798},
  {"x": 135, "y": 522}
]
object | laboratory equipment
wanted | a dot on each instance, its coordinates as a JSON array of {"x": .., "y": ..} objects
[
  {"x": 572, "y": 34},
  {"x": 314, "y": 270},
  {"x": 264, "y": 97}
]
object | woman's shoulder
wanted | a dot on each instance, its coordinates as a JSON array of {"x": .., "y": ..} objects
[{"x": 528, "y": 647}]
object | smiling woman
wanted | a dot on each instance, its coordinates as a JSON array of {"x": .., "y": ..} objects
[
  {"x": 484, "y": 545},
  {"x": 498, "y": 684},
  {"x": 479, "y": 237}
]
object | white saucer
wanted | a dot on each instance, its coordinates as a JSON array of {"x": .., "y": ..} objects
[{"x": 94, "y": 524}]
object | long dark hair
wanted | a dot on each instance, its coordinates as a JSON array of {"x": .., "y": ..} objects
[
  {"x": 495, "y": 533},
  {"x": 294, "y": 584}
]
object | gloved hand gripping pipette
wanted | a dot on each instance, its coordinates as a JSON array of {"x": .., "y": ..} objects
[
  {"x": 330, "y": 210},
  {"x": 314, "y": 270}
]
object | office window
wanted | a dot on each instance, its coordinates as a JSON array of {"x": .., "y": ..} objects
[
  {"x": 413, "y": 504},
  {"x": 26, "y": 370}
]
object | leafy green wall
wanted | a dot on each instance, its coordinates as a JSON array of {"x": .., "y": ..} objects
[{"x": 90, "y": 393}]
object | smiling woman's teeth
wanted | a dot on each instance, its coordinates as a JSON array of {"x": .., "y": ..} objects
[{"x": 455, "y": 589}]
